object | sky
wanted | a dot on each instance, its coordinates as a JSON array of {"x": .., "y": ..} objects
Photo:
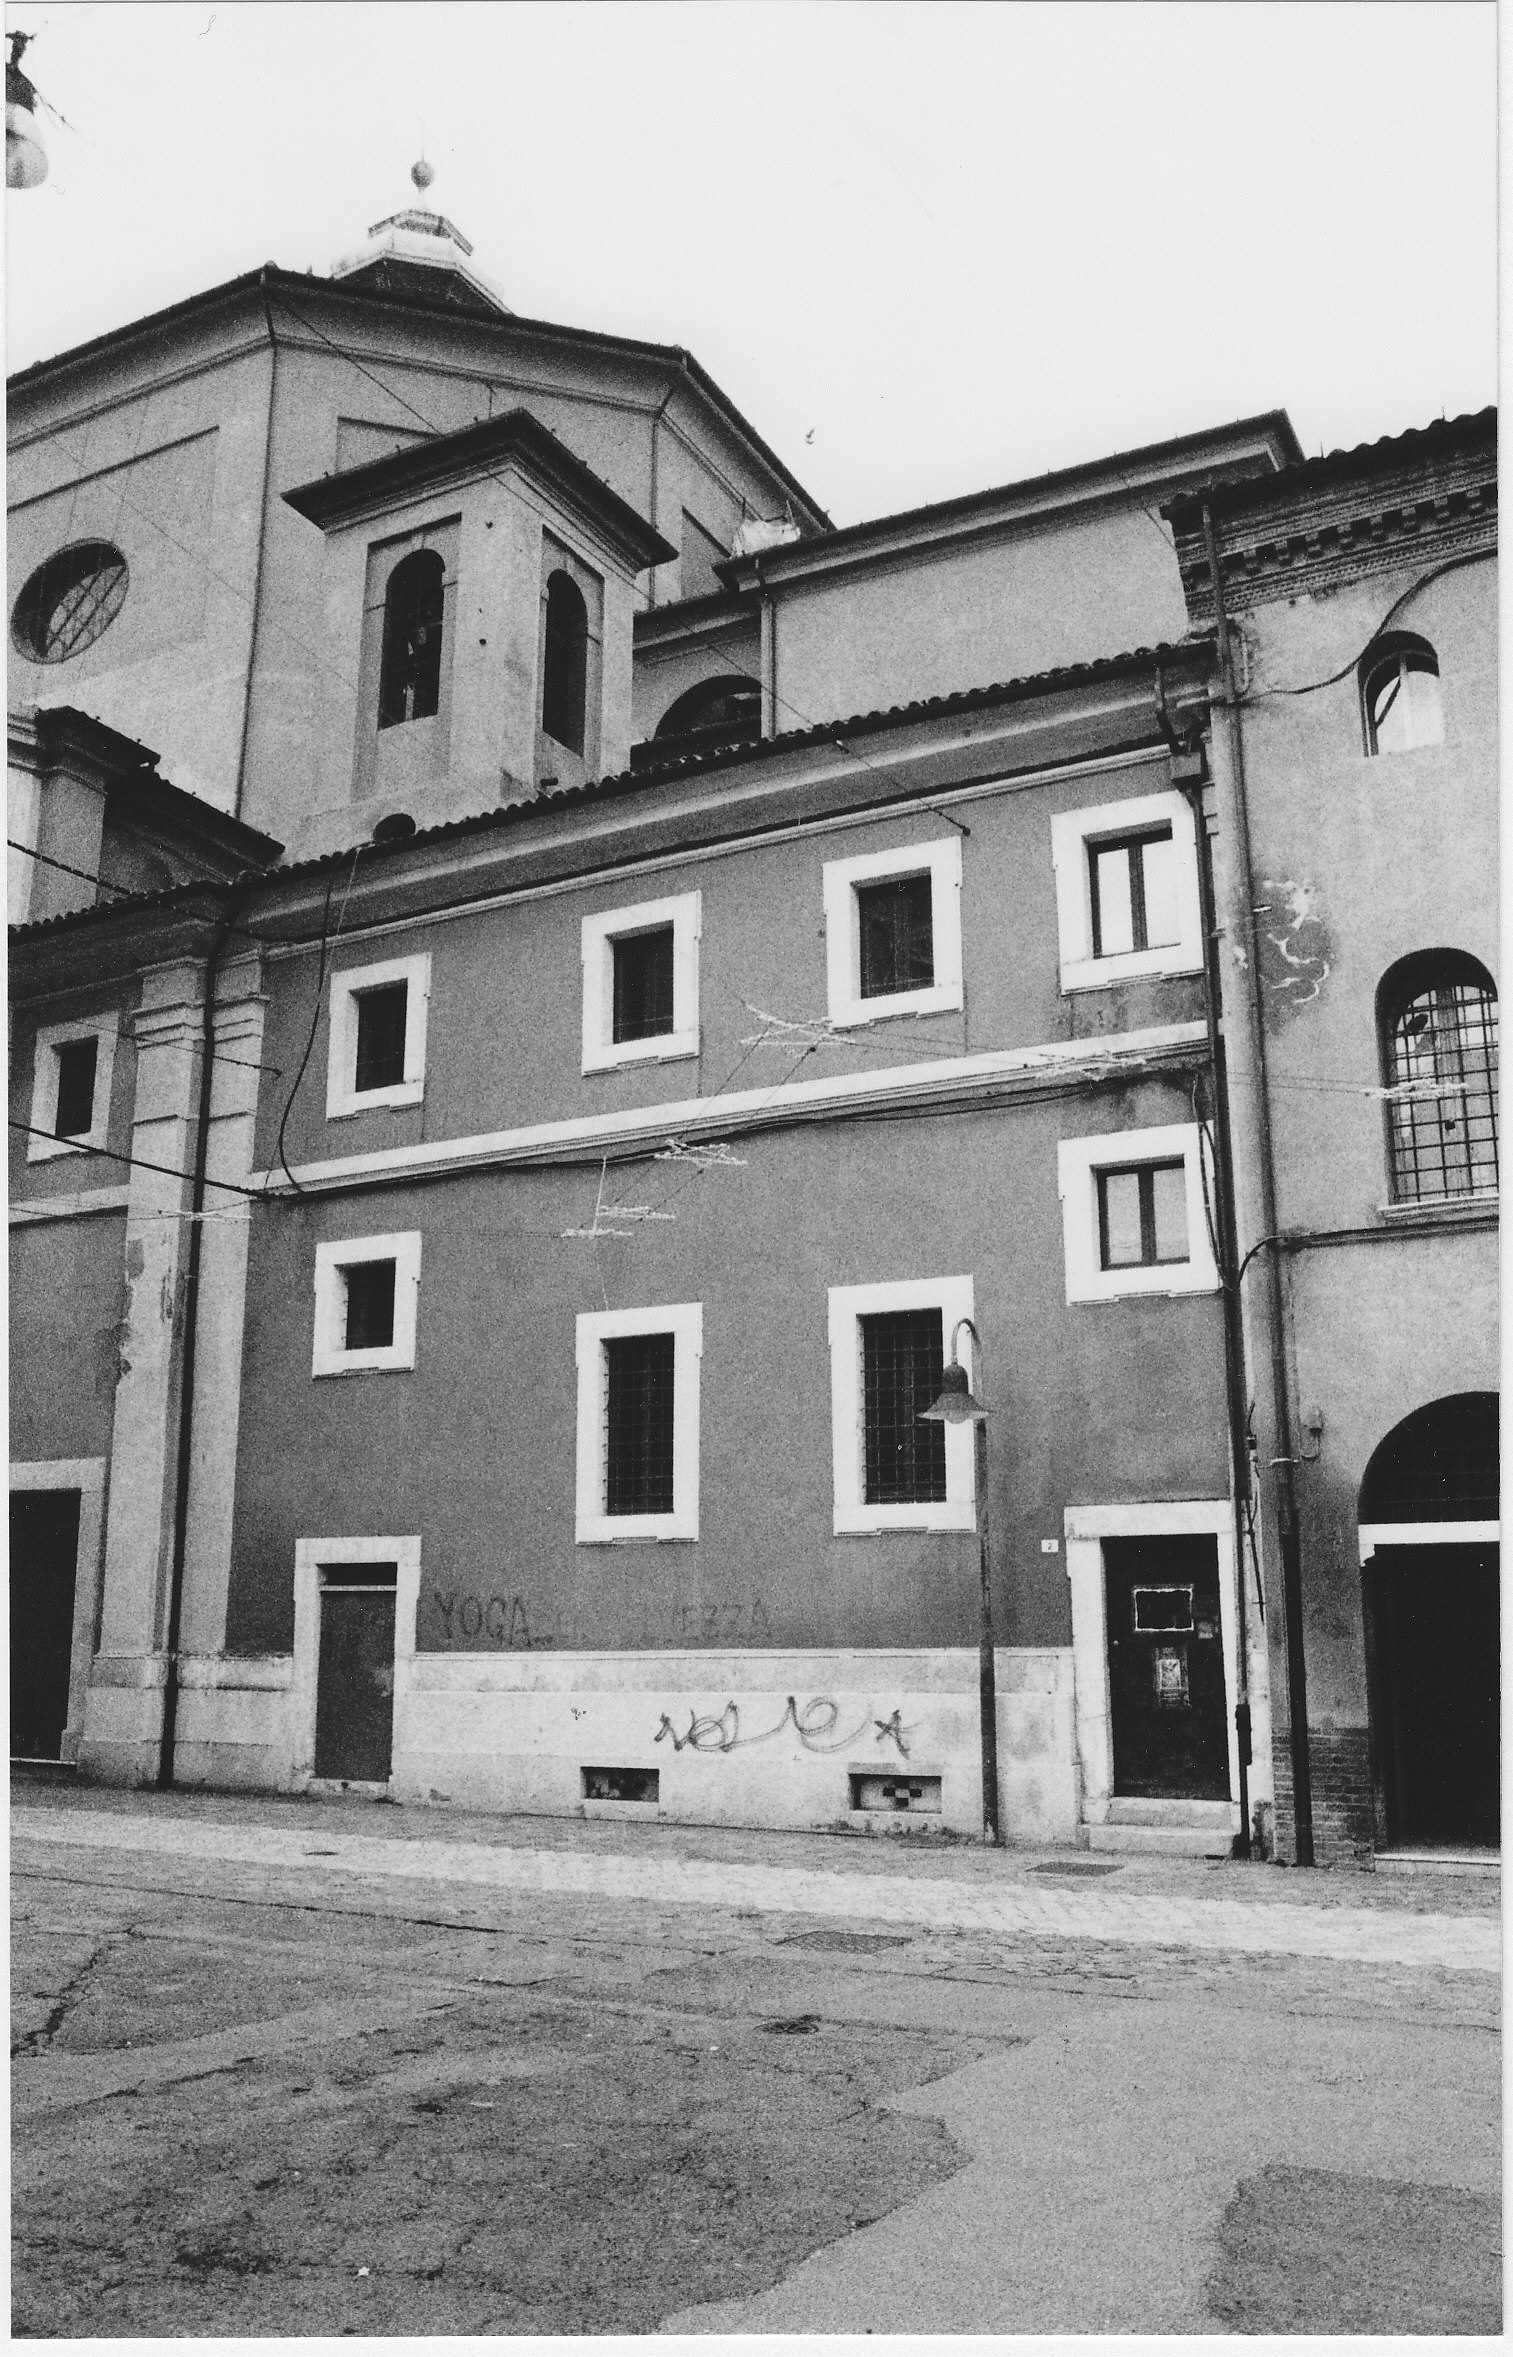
[{"x": 925, "y": 248}]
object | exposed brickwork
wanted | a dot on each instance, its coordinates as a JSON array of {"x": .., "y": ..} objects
[{"x": 1344, "y": 1822}]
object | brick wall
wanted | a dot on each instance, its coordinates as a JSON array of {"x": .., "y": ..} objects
[{"x": 1344, "y": 1822}]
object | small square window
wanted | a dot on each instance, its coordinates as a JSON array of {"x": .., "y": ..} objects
[
  {"x": 638, "y": 1423},
  {"x": 643, "y": 985},
  {"x": 70, "y": 1110},
  {"x": 894, "y": 1471},
  {"x": 641, "y": 982},
  {"x": 902, "y": 1360},
  {"x": 893, "y": 932},
  {"x": 1133, "y": 1214},
  {"x": 77, "y": 1059},
  {"x": 370, "y": 1305},
  {"x": 381, "y": 1024},
  {"x": 367, "y": 1291},
  {"x": 1127, "y": 891},
  {"x": 378, "y": 1036},
  {"x": 1142, "y": 1215}
]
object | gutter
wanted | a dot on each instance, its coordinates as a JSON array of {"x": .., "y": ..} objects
[{"x": 213, "y": 958}]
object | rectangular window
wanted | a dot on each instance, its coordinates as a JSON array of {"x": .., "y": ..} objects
[
  {"x": 370, "y": 1305},
  {"x": 381, "y": 1021},
  {"x": 897, "y": 937},
  {"x": 643, "y": 985},
  {"x": 77, "y": 1059},
  {"x": 902, "y": 1359},
  {"x": 377, "y": 1055},
  {"x": 1134, "y": 895},
  {"x": 641, "y": 982},
  {"x": 1142, "y": 1215},
  {"x": 638, "y": 1423},
  {"x": 891, "y": 1471}
]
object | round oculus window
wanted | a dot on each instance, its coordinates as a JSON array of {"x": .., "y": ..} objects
[{"x": 70, "y": 601}]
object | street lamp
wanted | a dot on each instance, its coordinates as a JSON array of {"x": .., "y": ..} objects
[{"x": 956, "y": 1405}]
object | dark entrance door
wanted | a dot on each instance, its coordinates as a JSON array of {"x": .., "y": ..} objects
[
  {"x": 44, "y": 1538},
  {"x": 1166, "y": 1668},
  {"x": 1435, "y": 1616},
  {"x": 354, "y": 1688}
]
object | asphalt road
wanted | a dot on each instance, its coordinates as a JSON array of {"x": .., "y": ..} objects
[{"x": 326, "y": 2068}]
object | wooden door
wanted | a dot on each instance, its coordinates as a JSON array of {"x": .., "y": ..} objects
[
  {"x": 44, "y": 1536},
  {"x": 1166, "y": 1668},
  {"x": 354, "y": 1691}
]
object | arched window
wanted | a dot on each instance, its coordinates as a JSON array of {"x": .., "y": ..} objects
[
  {"x": 1400, "y": 696},
  {"x": 1438, "y": 1014},
  {"x": 728, "y": 708},
  {"x": 564, "y": 684},
  {"x": 409, "y": 680}
]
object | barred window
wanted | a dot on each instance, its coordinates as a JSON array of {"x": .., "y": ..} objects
[
  {"x": 643, "y": 984},
  {"x": 896, "y": 935},
  {"x": 381, "y": 1022},
  {"x": 1440, "y": 1044},
  {"x": 409, "y": 685},
  {"x": 638, "y": 1423},
  {"x": 902, "y": 1362},
  {"x": 70, "y": 602}
]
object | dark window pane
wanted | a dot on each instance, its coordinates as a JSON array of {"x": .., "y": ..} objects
[
  {"x": 381, "y": 1036},
  {"x": 76, "y": 1087},
  {"x": 564, "y": 685},
  {"x": 638, "y": 1424},
  {"x": 897, "y": 936},
  {"x": 370, "y": 1305},
  {"x": 902, "y": 1361},
  {"x": 1442, "y": 1115},
  {"x": 70, "y": 601},
  {"x": 409, "y": 685},
  {"x": 643, "y": 985}
]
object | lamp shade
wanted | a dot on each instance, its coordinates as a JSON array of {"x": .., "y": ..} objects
[{"x": 955, "y": 1404}]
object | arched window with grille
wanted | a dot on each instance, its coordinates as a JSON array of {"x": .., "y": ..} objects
[
  {"x": 1438, "y": 1015},
  {"x": 564, "y": 685},
  {"x": 409, "y": 680},
  {"x": 1400, "y": 700}
]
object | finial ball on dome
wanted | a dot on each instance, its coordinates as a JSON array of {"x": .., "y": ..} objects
[{"x": 422, "y": 174}]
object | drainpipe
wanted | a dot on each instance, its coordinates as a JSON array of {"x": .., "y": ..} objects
[
  {"x": 1187, "y": 774},
  {"x": 1272, "y": 1306},
  {"x": 262, "y": 543},
  {"x": 191, "y": 1326}
]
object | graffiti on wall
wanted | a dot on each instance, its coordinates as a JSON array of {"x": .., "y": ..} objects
[
  {"x": 502, "y": 1621},
  {"x": 814, "y": 1726}
]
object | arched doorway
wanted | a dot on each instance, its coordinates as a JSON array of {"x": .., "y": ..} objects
[{"x": 1429, "y": 1551}]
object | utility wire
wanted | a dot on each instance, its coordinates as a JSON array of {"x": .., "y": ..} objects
[
  {"x": 134, "y": 1161},
  {"x": 1475, "y": 556}
]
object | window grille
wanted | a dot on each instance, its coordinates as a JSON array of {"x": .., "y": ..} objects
[
  {"x": 1134, "y": 894},
  {"x": 1142, "y": 1216},
  {"x": 1400, "y": 697},
  {"x": 638, "y": 1423},
  {"x": 409, "y": 685},
  {"x": 902, "y": 1363},
  {"x": 381, "y": 1023},
  {"x": 564, "y": 689},
  {"x": 77, "y": 1059},
  {"x": 1442, "y": 1072},
  {"x": 70, "y": 601},
  {"x": 370, "y": 1305},
  {"x": 896, "y": 928},
  {"x": 643, "y": 995}
]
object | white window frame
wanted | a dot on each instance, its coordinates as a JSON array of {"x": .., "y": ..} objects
[
  {"x": 331, "y": 1357},
  {"x": 849, "y": 1304},
  {"x": 941, "y": 862},
  {"x": 602, "y": 1052},
  {"x": 685, "y": 1321},
  {"x": 1074, "y": 835},
  {"x": 1079, "y": 1160},
  {"x": 44, "y": 1113},
  {"x": 342, "y": 1094}
]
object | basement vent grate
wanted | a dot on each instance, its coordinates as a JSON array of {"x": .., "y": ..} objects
[
  {"x": 1074, "y": 1868},
  {"x": 847, "y": 1943},
  {"x": 633, "y": 1784},
  {"x": 919, "y": 1795}
]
